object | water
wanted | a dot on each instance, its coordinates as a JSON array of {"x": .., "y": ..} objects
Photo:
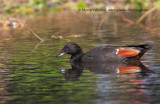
[{"x": 31, "y": 74}]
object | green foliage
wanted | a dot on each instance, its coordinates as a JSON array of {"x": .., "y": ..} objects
[
  {"x": 81, "y": 4},
  {"x": 157, "y": 2},
  {"x": 55, "y": 1},
  {"x": 37, "y": 4},
  {"x": 139, "y": 6},
  {"x": 34, "y": 6}
]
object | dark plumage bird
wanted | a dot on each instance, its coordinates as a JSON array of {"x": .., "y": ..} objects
[{"x": 106, "y": 54}]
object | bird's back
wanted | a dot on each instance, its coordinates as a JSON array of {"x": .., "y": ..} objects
[{"x": 114, "y": 54}]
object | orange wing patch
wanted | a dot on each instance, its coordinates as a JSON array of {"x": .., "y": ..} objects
[
  {"x": 127, "y": 52},
  {"x": 128, "y": 69}
]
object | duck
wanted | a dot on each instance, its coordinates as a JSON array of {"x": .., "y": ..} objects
[{"x": 104, "y": 54}]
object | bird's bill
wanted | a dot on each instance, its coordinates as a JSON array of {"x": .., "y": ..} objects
[{"x": 61, "y": 54}]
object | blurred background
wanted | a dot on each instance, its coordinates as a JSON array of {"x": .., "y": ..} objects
[
  {"x": 49, "y": 6},
  {"x": 17, "y": 11}
]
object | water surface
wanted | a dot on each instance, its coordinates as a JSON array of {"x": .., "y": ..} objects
[{"x": 29, "y": 69}]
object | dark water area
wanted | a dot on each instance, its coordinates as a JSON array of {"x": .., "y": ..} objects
[{"x": 32, "y": 74}]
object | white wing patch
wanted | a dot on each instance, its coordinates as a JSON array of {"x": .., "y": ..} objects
[{"x": 117, "y": 51}]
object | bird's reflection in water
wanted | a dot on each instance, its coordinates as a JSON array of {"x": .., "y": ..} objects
[
  {"x": 72, "y": 74},
  {"x": 102, "y": 68}
]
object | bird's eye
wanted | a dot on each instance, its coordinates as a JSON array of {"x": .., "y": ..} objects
[{"x": 67, "y": 48}]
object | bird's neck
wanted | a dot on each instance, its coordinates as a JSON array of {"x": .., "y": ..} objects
[{"x": 76, "y": 57}]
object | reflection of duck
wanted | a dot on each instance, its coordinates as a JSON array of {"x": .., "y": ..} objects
[
  {"x": 129, "y": 67},
  {"x": 107, "y": 54},
  {"x": 103, "y": 68},
  {"x": 72, "y": 74}
]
